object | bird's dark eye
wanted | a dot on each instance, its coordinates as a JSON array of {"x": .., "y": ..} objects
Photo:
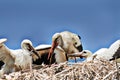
[
  {"x": 75, "y": 43},
  {"x": 56, "y": 39},
  {"x": 84, "y": 52},
  {"x": 28, "y": 47},
  {"x": 27, "y": 44}
]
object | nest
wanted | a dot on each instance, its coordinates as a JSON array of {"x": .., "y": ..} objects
[{"x": 93, "y": 70}]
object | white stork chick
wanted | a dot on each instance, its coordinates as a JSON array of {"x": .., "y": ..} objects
[
  {"x": 58, "y": 55},
  {"x": 5, "y": 56},
  {"x": 23, "y": 56},
  {"x": 111, "y": 53},
  {"x": 114, "y": 49},
  {"x": 100, "y": 54},
  {"x": 16, "y": 59},
  {"x": 68, "y": 41}
]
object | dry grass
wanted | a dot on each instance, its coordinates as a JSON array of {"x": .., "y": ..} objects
[{"x": 94, "y": 70}]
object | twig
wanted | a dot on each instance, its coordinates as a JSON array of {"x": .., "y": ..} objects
[
  {"x": 117, "y": 69},
  {"x": 108, "y": 75}
]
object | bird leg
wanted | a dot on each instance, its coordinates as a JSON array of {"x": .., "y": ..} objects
[{"x": 31, "y": 70}]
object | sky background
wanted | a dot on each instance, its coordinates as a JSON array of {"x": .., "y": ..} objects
[{"x": 96, "y": 21}]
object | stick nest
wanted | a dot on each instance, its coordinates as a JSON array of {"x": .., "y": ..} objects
[{"x": 93, "y": 70}]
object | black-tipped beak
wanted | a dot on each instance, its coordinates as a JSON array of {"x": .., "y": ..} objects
[
  {"x": 35, "y": 52},
  {"x": 80, "y": 48},
  {"x": 31, "y": 49}
]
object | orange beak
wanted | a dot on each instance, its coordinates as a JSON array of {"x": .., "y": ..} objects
[{"x": 54, "y": 45}]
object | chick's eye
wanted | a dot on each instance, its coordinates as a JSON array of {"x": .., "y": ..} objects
[
  {"x": 75, "y": 43},
  {"x": 84, "y": 52}
]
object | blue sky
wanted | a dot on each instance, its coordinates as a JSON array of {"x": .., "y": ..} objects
[{"x": 96, "y": 21}]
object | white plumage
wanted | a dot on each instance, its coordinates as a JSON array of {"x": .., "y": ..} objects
[
  {"x": 68, "y": 41},
  {"x": 15, "y": 59},
  {"x": 43, "y": 46},
  {"x": 104, "y": 53},
  {"x": 22, "y": 58}
]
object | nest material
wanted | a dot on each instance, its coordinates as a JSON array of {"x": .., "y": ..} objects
[{"x": 94, "y": 70}]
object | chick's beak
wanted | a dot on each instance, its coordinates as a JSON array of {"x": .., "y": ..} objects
[{"x": 30, "y": 48}]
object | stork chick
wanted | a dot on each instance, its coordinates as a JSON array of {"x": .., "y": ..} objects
[
  {"x": 111, "y": 53},
  {"x": 16, "y": 60},
  {"x": 68, "y": 41}
]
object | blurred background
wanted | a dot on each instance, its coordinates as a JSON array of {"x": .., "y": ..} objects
[{"x": 96, "y": 21}]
